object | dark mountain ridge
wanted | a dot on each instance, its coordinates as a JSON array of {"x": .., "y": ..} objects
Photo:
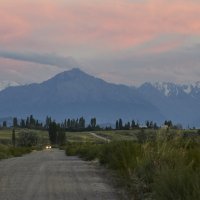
[{"x": 74, "y": 93}]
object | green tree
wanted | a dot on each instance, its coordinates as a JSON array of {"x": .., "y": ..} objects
[
  {"x": 56, "y": 134},
  {"x": 117, "y": 125},
  {"x": 27, "y": 139},
  {"x": 13, "y": 137},
  {"x": 93, "y": 122},
  {"x": 133, "y": 124},
  {"x": 155, "y": 126},
  {"x": 4, "y": 124},
  {"x": 32, "y": 122},
  {"x": 82, "y": 123},
  {"x": 53, "y": 129},
  {"x": 151, "y": 124},
  {"x": 48, "y": 121},
  {"x": 65, "y": 123},
  {"x": 168, "y": 123},
  {"x": 61, "y": 136},
  {"x": 15, "y": 122},
  {"x": 127, "y": 126},
  {"x": 147, "y": 123},
  {"x": 120, "y": 124},
  {"x": 22, "y": 123},
  {"x": 68, "y": 123},
  {"x": 27, "y": 122}
]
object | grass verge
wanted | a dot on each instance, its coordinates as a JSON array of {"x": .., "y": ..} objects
[
  {"x": 161, "y": 169},
  {"x": 10, "y": 151}
]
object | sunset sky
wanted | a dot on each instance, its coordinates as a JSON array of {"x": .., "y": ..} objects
[{"x": 121, "y": 41}]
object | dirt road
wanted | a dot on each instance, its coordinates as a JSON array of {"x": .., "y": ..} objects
[
  {"x": 100, "y": 137},
  {"x": 50, "y": 175}
]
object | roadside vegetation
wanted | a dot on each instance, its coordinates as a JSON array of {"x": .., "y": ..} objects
[
  {"x": 160, "y": 165},
  {"x": 7, "y": 151},
  {"x": 149, "y": 162},
  {"x": 17, "y": 142}
]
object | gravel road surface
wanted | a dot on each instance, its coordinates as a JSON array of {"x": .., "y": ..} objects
[{"x": 50, "y": 175}]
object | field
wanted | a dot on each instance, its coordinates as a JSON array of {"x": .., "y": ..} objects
[
  {"x": 148, "y": 164},
  {"x": 6, "y": 134},
  {"x": 7, "y": 149},
  {"x": 81, "y": 137}
]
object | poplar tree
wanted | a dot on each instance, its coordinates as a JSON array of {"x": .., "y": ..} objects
[{"x": 13, "y": 137}]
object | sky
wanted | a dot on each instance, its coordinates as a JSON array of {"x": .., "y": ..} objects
[{"x": 120, "y": 41}]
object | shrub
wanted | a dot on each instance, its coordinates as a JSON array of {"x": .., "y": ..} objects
[
  {"x": 72, "y": 149},
  {"x": 10, "y": 151},
  {"x": 179, "y": 183},
  {"x": 27, "y": 139},
  {"x": 162, "y": 169},
  {"x": 87, "y": 151},
  {"x": 122, "y": 156}
]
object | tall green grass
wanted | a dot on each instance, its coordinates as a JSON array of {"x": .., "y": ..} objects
[
  {"x": 87, "y": 151},
  {"x": 164, "y": 168},
  {"x": 7, "y": 151}
]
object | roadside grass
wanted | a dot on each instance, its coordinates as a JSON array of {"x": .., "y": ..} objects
[
  {"x": 144, "y": 134},
  {"x": 164, "y": 166},
  {"x": 10, "y": 151},
  {"x": 87, "y": 151}
]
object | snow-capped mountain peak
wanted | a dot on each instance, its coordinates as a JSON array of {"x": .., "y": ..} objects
[
  {"x": 197, "y": 85},
  {"x": 168, "y": 89},
  {"x": 187, "y": 88},
  {"x": 4, "y": 84},
  {"x": 172, "y": 89}
]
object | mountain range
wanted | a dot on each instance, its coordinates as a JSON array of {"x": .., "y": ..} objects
[
  {"x": 180, "y": 103},
  {"x": 75, "y": 93}
]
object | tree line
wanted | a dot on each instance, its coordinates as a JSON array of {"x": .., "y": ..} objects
[
  {"x": 79, "y": 124},
  {"x": 69, "y": 124}
]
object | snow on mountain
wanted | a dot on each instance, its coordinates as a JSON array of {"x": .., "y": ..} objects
[
  {"x": 162, "y": 87},
  {"x": 168, "y": 89},
  {"x": 180, "y": 103},
  {"x": 6, "y": 83},
  {"x": 187, "y": 89},
  {"x": 171, "y": 89}
]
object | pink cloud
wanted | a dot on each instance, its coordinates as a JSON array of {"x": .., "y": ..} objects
[
  {"x": 166, "y": 46},
  {"x": 11, "y": 28},
  {"x": 102, "y": 24}
]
